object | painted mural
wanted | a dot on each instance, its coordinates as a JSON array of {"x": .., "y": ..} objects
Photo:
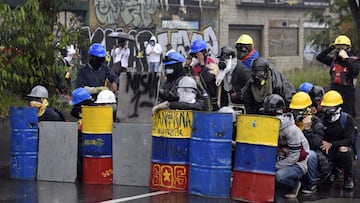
[{"x": 175, "y": 22}]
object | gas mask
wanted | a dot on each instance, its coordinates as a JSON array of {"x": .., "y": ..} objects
[
  {"x": 242, "y": 50},
  {"x": 225, "y": 66},
  {"x": 260, "y": 77},
  {"x": 332, "y": 113}
]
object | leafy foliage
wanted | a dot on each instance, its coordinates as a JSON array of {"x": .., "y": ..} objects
[
  {"x": 342, "y": 17},
  {"x": 28, "y": 44}
]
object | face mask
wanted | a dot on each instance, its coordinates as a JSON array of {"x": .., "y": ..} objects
[
  {"x": 169, "y": 71},
  {"x": 222, "y": 65},
  {"x": 260, "y": 77},
  {"x": 194, "y": 61},
  {"x": 96, "y": 62},
  {"x": 186, "y": 95},
  {"x": 152, "y": 43},
  {"x": 331, "y": 114}
]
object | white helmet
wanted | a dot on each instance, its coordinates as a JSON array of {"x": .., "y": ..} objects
[
  {"x": 228, "y": 109},
  {"x": 187, "y": 81},
  {"x": 105, "y": 97},
  {"x": 39, "y": 92}
]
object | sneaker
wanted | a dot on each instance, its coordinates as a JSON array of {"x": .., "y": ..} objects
[
  {"x": 294, "y": 193},
  {"x": 309, "y": 189},
  {"x": 348, "y": 183}
]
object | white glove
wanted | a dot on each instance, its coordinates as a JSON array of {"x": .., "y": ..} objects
[
  {"x": 160, "y": 106},
  {"x": 343, "y": 54}
]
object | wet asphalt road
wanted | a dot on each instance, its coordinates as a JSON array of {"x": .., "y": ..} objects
[{"x": 60, "y": 192}]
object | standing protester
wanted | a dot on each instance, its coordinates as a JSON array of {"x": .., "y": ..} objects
[
  {"x": 233, "y": 75},
  {"x": 204, "y": 70},
  {"x": 120, "y": 54},
  {"x": 245, "y": 50},
  {"x": 63, "y": 74},
  {"x": 38, "y": 98},
  {"x": 344, "y": 70},
  {"x": 264, "y": 81},
  {"x": 153, "y": 52},
  {"x": 174, "y": 71},
  {"x": 293, "y": 148},
  {"x": 95, "y": 75},
  {"x": 338, "y": 140}
]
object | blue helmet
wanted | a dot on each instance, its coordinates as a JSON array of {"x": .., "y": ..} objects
[
  {"x": 174, "y": 57},
  {"x": 305, "y": 87},
  {"x": 79, "y": 95},
  {"x": 197, "y": 46},
  {"x": 97, "y": 49}
]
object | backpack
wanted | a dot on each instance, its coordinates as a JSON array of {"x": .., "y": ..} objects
[{"x": 343, "y": 120}]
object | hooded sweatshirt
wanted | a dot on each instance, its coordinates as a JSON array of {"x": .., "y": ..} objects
[
  {"x": 293, "y": 147},
  {"x": 154, "y": 51}
]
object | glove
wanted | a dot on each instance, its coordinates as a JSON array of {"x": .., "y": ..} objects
[
  {"x": 160, "y": 106},
  {"x": 343, "y": 54},
  {"x": 95, "y": 90}
]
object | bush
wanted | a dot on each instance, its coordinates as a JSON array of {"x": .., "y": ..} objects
[{"x": 315, "y": 75}]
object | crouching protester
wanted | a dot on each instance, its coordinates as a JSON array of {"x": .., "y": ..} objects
[
  {"x": 338, "y": 137},
  {"x": 187, "y": 92},
  {"x": 38, "y": 98},
  {"x": 292, "y": 151},
  {"x": 313, "y": 129}
]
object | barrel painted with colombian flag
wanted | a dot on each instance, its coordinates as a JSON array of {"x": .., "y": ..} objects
[
  {"x": 171, "y": 131},
  {"x": 210, "y": 154},
  {"x": 255, "y": 157},
  {"x": 97, "y": 122}
]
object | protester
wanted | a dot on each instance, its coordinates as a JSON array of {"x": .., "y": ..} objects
[
  {"x": 154, "y": 52},
  {"x": 313, "y": 130},
  {"x": 63, "y": 75},
  {"x": 264, "y": 81},
  {"x": 246, "y": 52},
  {"x": 107, "y": 98},
  {"x": 204, "y": 70},
  {"x": 120, "y": 55},
  {"x": 233, "y": 75},
  {"x": 293, "y": 148},
  {"x": 174, "y": 71},
  {"x": 344, "y": 70},
  {"x": 38, "y": 98},
  {"x": 306, "y": 87},
  {"x": 169, "y": 49},
  {"x": 338, "y": 137},
  {"x": 95, "y": 75},
  {"x": 187, "y": 90}
]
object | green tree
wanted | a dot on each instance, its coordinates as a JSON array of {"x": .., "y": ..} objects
[
  {"x": 341, "y": 17},
  {"x": 29, "y": 35}
]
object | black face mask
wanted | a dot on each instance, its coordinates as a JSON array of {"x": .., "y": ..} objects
[
  {"x": 259, "y": 77},
  {"x": 96, "y": 62}
]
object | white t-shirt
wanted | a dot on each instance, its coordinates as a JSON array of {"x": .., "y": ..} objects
[{"x": 121, "y": 54}]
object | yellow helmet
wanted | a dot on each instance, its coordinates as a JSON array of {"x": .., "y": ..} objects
[
  {"x": 245, "y": 39},
  {"x": 332, "y": 98},
  {"x": 342, "y": 40},
  {"x": 300, "y": 100}
]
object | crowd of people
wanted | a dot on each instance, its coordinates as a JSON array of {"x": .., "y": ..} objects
[{"x": 317, "y": 137}]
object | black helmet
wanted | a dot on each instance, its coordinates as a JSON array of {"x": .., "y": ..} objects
[
  {"x": 316, "y": 93},
  {"x": 274, "y": 105},
  {"x": 260, "y": 64},
  {"x": 226, "y": 52}
]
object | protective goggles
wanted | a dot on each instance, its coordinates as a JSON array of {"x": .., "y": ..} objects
[{"x": 329, "y": 109}]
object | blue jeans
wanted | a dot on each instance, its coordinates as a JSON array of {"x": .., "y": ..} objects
[
  {"x": 154, "y": 67},
  {"x": 310, "y": 176},
  {"x": 288, "y": 176}
]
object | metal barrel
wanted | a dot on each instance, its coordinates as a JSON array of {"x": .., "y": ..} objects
[
  {"x": 255, "y": 157},
  {"x": 210, "y": 154},
  {"x": 171, "y": 130},
  {"x": 96, "y": 144},
  {"x": 23, "y": 142}
]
